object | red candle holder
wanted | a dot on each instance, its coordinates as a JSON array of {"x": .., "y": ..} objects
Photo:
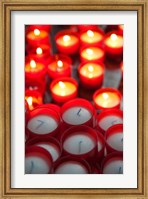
[
  {"x": 36, "y": 85},
  {"x": 107, "y": 98},
  {"x": 50, "y": 144},
  {"x": 91, "y": 74},
  {"x": 39, "y": 53},
  {"x": 108, "y": 118},
  {"x": 91, "y": 37},
  {"x": 113, "y": 43},
  {"x": 92, "y": 53},
  {"x": 113, "y": 158},
  {"x": 71, "y": 165},
  {"x": 35, "y": 156},
  {"x": 52, "y": 106},
  {"x": 63, "y": 89},
  {"x": 78, "y": 112},
  {"x": 101, "y": 148},
  {"x": 87, "y": 27},
  {"x": 33, "y": 98},
  {"x": 114, "y": 138},
  {"x": 35, "y": 69},
  {"x": 80, "y": 142},
  {"x": 27, "y": 136},
  {"x": 36, "y": 37},
  {"x": 120, "y": 28},
  {"x": 43, "y": 122},
  {"x": 59, "y": 66},
  {"x": 67, "y": 42}
]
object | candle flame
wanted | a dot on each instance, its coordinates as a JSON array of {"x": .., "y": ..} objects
[
  {"x": 89, "y": 51},
  {"x": 36, "y": 32},
  {"x": 66, "y": 38},
  {"x": 90, "y": 33},
  {"x": 29, "y": 100},
  {"x": 90, "y": 68},
  {"x": 61, "y": 84},
  {"x": 114, "y": 37},
  {"x": 105, "y": 96},
  {"x": 39, "y": 51},
  {"x": 60, "y": 63},
  {"x": 32, "y": 64}
]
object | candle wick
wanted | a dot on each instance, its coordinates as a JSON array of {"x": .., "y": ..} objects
[
  {"x": 122, "y": 140},
  {"x": 80, "y": 146},
  {"x": 114, "y": 122},
  {"x": 41, "y": 123},
  {"x": 120, "y": 170},
  {"x": 79, "y": 112},
  {"x": 32, "y": 166}
]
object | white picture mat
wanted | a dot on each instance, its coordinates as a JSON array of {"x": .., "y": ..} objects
[{"x": 18, "y": 21}]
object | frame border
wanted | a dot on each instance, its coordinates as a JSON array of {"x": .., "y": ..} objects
[{"x": 5, "y": 103}]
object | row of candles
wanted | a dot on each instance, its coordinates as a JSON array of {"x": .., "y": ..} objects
[{"x": 69, "y": 136}]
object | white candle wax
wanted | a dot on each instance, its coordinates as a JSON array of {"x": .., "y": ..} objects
[
  {"x": 79, "y": 143},
  {"x": 109, "y": 121},
  {"x": 71, "y": 167},
  {"x": 76, "y": 115},
  {"x": 52, "y": 149},
  {"x": 116, "y": 141},
  {"x": 99, "y": 146},
  {"x": 42, "y": 124},
  {"x": 114, "y": 167},
  {"x": 36, "y": 165}
]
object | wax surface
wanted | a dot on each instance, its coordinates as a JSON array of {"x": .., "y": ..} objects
[
  {"x": 67, "y": 42},
  {"x": 92, "y": 53},
  {"x": 118, "y": 42},
  {"x": 91, "y": 70},
  {"x": 71, "y": 167},
  {"x": 37, "y": 68},
  {"x": 36, "y": 165},
  {"x": 79, "y": 143},
  {"x": 42, "y": 124},
  {"x": 67, "y": 89},
  {"x": 52, "y": 149},
  {"x": 111, "y": 100},
  {"x": 91, "y": 38},
  {"x": 76, "y": 115},
  {"x": 109, "y": 121},
  {"x": 54, "y": 66},
  {"x": 33, "y": 36},
  {"x": 114, "y": 167},
  {"x": 116, "y": 141}
]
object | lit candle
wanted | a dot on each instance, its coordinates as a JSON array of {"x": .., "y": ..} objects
[
  {"x": 39, "y": 27},
  {"x": 114, "y": 138},
  {"x": 77, "y": 112},
  {"x": 37, "y": 36},
  {"x": 92, "y": 37},
  {"x": 107, "y": 98},
  {"x": 50, "y": 144},
  {"x": 108, "y": 118},
  {"x": 63, "y": 89},
  {"x": 37, "y": 161},
  {"x": 43, "y": 122},
  {"x": 80, "y": 141},
  {"x": 33, "y": 98},
  {"x": 92, "y": 53},
  {"x": 120, "y": 28},
  {"x": 67, "y": 42},
  {"x": 59, "y": 66},
  {"x": 114, "y": 43},
  {"x": 91, "y": 74},
  {"x": 70, "y": 165},
  {"x": 113, "y": 164},
  {"x": 34, "y": 70},
  {"x": 39, "y": 53}
]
